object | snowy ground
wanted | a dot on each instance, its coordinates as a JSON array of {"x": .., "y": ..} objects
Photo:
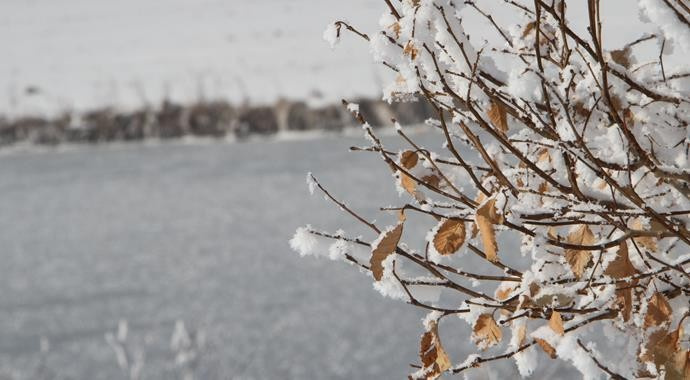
[{"x": 81, "y": 54}]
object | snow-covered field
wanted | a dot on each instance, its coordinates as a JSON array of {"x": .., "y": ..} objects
[
  {"x": 75, "y": 55},
  {"x": 81, "y": 54}
]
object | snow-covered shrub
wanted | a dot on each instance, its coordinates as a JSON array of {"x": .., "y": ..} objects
[{"x": 558, "y": 206}]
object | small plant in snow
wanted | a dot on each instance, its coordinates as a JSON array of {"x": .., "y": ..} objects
[
  {"x": 129, "y": 358},
  {"x": 557, "y": 209},
  {"x": 188, "y": 348}
]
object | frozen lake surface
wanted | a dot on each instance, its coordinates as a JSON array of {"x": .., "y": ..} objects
[
  {"x": 153, "y": 234},
  {"x": 196, "y": 232}
]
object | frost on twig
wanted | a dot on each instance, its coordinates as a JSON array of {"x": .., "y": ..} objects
[{"x": 558, "y": 205}]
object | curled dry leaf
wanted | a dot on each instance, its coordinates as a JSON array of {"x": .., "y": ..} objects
[
  {"x": 396, "y": 28},
  {"x": 663, "y": 349},
  {"x": 409, "y": 184},
  {"x": 503, "y": 292},
  {"x": 647, "y": 242},
  {"x": 528, "y": 28},
  {"x": 387, "y": 244},
  {"x": 450, "y": 236},
  {"x": 624, "y": 301},
  {"x": 621, "y": 267},
  {"x": 434, "y": 358},
  {"x": 580, "y": 109},
  {"x": 534, "y": 289},
  {"x": 556, "y": 323},
  {"x": 485, "y": 219},
  {"x": 552, "y": 233},
  {"x": 410, "y": 50},
  {"x": 546, "y": 347},
  {"x": 629, "y": 117},
  {"x": 658, "y": 311},
  {"x": 621, "y": 57},
  {"x": 486, "y": 332},
  {"x": 498, "y": 116},
  {"x": 409, "y": 159},
  {"x": 578, "y": 259},
  {"x": 432, "y": 180},
  {"x": 544, "y": 156}
]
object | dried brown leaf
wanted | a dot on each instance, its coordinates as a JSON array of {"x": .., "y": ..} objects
[
  {"x": 580, "y": 109},
  {"x": 387, "y": 244},
  {"x": 410, "y": 50},
  {"x": 658, "y": 311},
  {"x": 663, "y": 349},
  {"x": 544, "y": 156},
  {"x": 648, "y": 242},
  {"x": 622, "y": 57},
  {"x": 396, "y": 29},
  {"x": 520, "y": 183},
  {"x": 624, "y": 301},
  {"x": 486, "y": 332},
  {"x": 621, "y": 266},
  {"x": 434, "y": 358},
  {"x": 546, "y": 347},
  {"x": 528, "y": 28},
  {"x": 578, "y": 259},
  {"x": 485, "y": 218},
  {"x": 432, "y": 179},
  {"x": 408, "y": 183},
  {"x": 552, "y": 233},
  {"x": 450, "y": 236},
  {"x": 498, "y": 116},
  {"x": 503, "y": 292},
  {"x": 629, "y": 117},
  {"x": 408, "y": 159},
  {"x": 534, "y": 288},
  {"x": 556, "y": 323}
]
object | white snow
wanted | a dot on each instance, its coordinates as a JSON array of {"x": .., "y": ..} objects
[
  {"x": 676, "y": 33},
  {"x": 311, "y": 184},
  {"x": 330, "y": 34},
  {"x": 80, "y": 54},
  {"x": 306, "y": 243},
  {"x": 527, "y": 361}
]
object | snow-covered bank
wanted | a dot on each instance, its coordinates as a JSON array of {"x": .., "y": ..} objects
[{"x": 203, "y": 119}]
